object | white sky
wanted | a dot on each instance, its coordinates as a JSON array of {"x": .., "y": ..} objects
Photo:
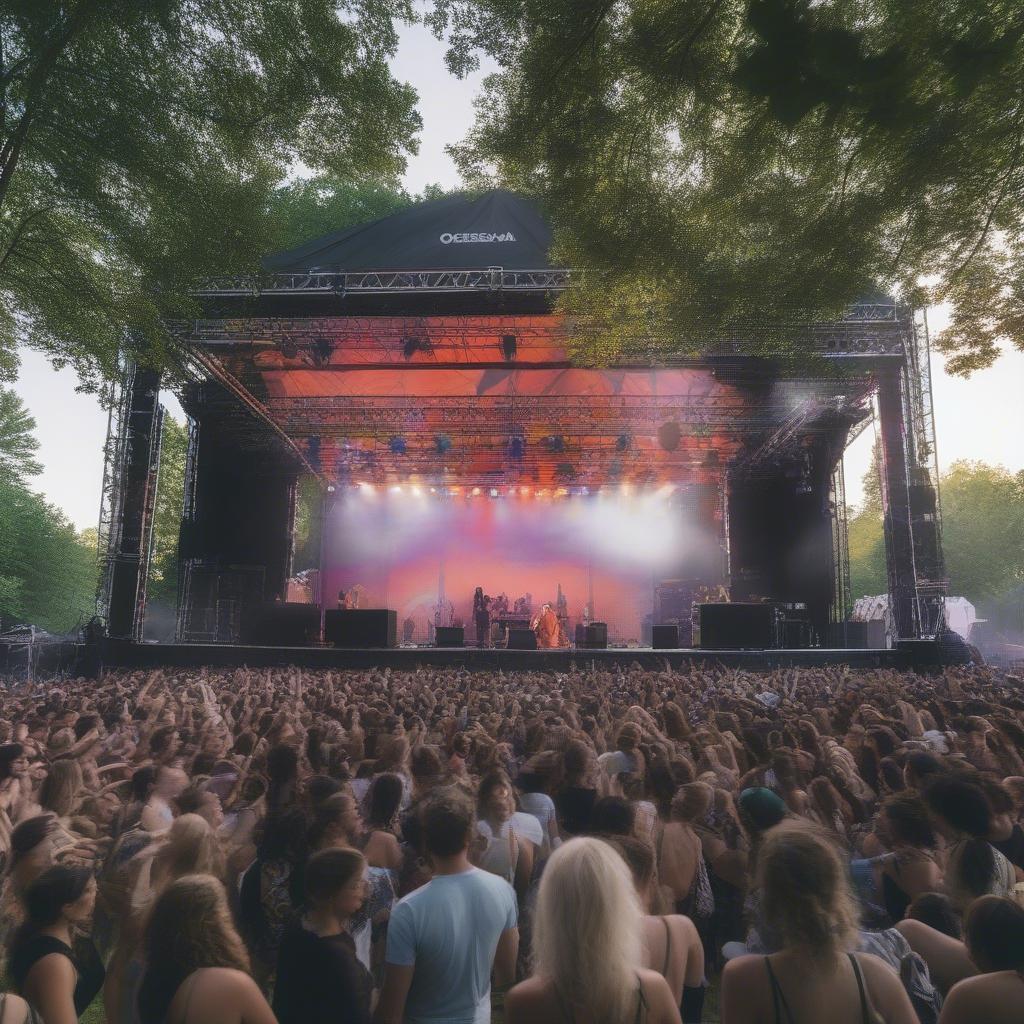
[{"x": 980, "y": 418}]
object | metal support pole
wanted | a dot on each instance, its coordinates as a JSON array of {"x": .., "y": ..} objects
[
  {"x": 136, "y": 481},
  {"x": 899, "y": 540}
]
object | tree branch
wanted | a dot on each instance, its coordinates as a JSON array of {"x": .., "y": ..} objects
[
  {"x": 19, "y": 231},
  {"x": 34, "y": 82}
]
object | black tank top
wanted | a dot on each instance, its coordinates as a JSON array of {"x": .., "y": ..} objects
[
  {"x": 782, "y": 1007},
  {"x": 85, "y": 958}
]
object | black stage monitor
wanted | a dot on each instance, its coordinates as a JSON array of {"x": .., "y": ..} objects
[
  {"x": 737, "y": 626},
  {"x": 282, "y": 625},
  {"x": 665, "y": 637},
  {"x": 450, "y": 636},
  {"x": 361, "y": 627},
  {"x": 522, "y": 639}
]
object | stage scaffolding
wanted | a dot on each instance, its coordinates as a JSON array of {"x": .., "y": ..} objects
[{"x": 871, "y": 335}]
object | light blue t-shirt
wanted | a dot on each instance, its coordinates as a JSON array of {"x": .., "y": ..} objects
[{"x": 449, "y": 929}]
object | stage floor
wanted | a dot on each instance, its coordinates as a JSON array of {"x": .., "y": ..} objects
[{"x": 152, "y": 655}]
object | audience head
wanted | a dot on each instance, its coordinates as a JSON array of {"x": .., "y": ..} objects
[
  {"x": 60, "y": 894},
  {"x": 189, "y": 927},
  {"x": 335, "y": 880},
  {"x": 447, "y": 822},
  {"x": 937, "y": 911},
  {"x": 994, "y": 934},
  {"x": 613, "y": 816},
  {"x": 587, "y": 939},
  {"x": 805, "y": 892},
  {"x": 385, "y": 798}
]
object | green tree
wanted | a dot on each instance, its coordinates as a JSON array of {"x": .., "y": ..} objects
[
  {"x": 310, "y": 207},
  {"x": 866, "y": 536},
  {"x": 162, "y": 586},
  {"x": 140, "y": 144},
  {"x": 47, "y": 575},
  {"x": 308, "y": 525},
  {"x": 744, "y": 165},
  {"x": 983, "y": 530},
  {"x": 18, "y": 445}
]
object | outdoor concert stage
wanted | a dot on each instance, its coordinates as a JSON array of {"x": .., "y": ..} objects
[{"x": 399, "y": 411}]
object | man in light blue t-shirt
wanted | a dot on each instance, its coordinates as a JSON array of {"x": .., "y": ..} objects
[{"x": 444, "y": 938}]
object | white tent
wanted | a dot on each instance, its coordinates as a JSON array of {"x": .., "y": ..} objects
[{"x": 960, "y": 613}]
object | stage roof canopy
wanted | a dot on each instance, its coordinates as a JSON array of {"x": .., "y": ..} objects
[
  {"x": 469, "y": 388},
  {"x": 495, "y": 229}
]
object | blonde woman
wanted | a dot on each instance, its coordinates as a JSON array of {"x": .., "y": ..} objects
[
  {"x": 198, "y": 969},
  {"x": 588, "y": 947},
  {"x": 806, "y": 896}
]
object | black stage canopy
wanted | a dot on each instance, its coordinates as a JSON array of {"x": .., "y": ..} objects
[{"x": 496, "y": 229}]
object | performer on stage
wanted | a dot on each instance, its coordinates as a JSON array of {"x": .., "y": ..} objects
[
  {"x": 482, "y": 617},
  {"x": 546, "y": 628},
  {"x": 345, "y": 601}
]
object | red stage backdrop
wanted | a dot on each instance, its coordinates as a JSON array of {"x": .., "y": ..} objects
[{"x": 403, "y": 547}]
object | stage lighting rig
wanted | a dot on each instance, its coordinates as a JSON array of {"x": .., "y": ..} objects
[{"x": 410, "y": 346}]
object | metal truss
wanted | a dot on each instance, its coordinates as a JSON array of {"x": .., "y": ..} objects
[
  {"x": 387, "y": 282},
  {"x": 116, "y": 396},
  {"x": 842, "y": 601}
]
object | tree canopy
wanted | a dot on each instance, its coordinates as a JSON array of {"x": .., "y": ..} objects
[
  {"x": 982, "y": 533},
  {"x": 140, "y": 144},
  {"x": 735, "y": 164},
  {"x": 18, "y": 445}
]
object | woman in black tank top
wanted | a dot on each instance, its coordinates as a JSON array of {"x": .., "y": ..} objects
[
  {"x": 814, "y": 976},
  {"x": 57, "y": 904}
]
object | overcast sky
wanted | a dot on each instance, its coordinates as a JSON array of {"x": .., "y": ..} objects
[{"x": 981, "y": 418}]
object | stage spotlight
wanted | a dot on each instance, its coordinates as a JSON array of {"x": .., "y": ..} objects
[
  {"x": 313, "y": 452},
  {"x": 509, "y": 346},
  {"x": 494, "y": 492},
  {"x": 331, "y": 488},
  {"x": 397, "y": 445},
  {"x": 410, "y": 346},
  {"x": 476, "y": 492},
  {"x": 417, "y": 491},
  {"x": 669, "y": 435},
  {"x": 323, "y": 349},
  {"x": 396, "y": 489}
]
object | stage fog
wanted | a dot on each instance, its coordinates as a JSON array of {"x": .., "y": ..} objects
[{"x": 404, "y": 548}]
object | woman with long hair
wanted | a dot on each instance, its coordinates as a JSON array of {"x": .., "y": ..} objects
[
  {"x": 504, "y": 851},
  {"x": 588, "y": 947},
  {"x": 672, "y": 946},
  {"x": 576, "y": 797},
  {"x": 189, "y": 847},
  {"x": 974, "y": 867},
  {"x": 806, "y": 896},
  {"x": 52, "y": 966},
  {"x": 383, "y": 801},
  {"x": 913, "y": 866},
  {"x": 197, "y": 967},
  {"x": 994, "y": 931}
]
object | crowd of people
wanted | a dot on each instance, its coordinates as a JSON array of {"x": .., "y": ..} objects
[{"x": 446, "y": 847}]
